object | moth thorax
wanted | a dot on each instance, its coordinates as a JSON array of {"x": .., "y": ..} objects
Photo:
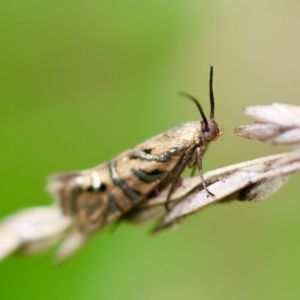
[{"x": 211, "y": 131}]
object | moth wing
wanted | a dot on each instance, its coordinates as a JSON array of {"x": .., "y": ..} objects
[{"x": 90, "y": 208}]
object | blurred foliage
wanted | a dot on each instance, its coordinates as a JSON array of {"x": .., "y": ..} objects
[{"x": 83, "y": 81}]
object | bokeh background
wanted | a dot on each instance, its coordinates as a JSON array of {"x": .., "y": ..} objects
[{"x": 83, "y": 81}]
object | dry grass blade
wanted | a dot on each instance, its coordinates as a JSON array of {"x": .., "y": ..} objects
[
  {"x": 248, "y": 181},
  {"x": 32, "y": 230},
  {"x": 36, "y": 229},
  {"x": 276, "y": 124}
]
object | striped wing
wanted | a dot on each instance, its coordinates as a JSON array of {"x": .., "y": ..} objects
[{"x": 107, "y": 192}]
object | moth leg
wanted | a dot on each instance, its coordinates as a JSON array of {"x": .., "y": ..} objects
[
  {"x": 200, "y": 152},
  {"x": 163, "y": 157},
  {"x": 180, "y": 169},
  {"x": 193, "y": 171}
]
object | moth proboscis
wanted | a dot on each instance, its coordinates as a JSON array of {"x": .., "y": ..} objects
[{"x": 107, "y": 192}]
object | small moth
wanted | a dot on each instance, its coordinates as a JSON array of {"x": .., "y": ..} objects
[{"x": 106, "y": 193}]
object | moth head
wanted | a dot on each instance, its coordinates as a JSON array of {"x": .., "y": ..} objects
[
  {"x": 210, "y": 131},
  {"x": 209, "y": 128}
]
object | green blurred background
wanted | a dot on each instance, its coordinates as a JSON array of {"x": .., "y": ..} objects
[{"x": 83, "y": 81}]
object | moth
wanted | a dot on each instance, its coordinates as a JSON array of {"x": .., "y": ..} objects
[{"x": 106, "y": 193}]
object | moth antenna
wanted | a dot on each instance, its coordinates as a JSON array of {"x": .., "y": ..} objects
[
  {"x": 199, "y": 107},
  {"x": 211, "y": 92}
]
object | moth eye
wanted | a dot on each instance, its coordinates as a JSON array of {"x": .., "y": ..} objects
[
  {"x": 211, "y": 132},
  {"x": 208, "y": 136}
]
